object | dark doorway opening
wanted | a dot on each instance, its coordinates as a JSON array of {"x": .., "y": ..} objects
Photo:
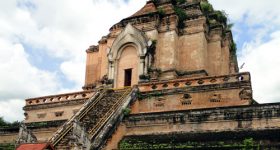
[{"x": 127, "y": 77}]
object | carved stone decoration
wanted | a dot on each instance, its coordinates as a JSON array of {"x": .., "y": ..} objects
[
  {"x": 160, "y": 101},
  {"x": 105, "y": 81},
  {"x": 165, "y": 85},
  {"x": 154, "y": 75},
  {"x": 25, "y": 135},
  {"x": 213, "y": 80},
  {"x": 41, "y": 115},
  {"x": 133, "y": 37},
  {"x": 26, "y": 116},
  {"x": 176, "y": 84},
  {"x": 200, "y": 81},
  {"x": 186, "y": 99},
  {"x": 79, "y": 138},
  {"x": 154, "y": 87},
  {"x": 215, "y": 98},
  {"x": 245, "y": 94},
  {"x": 226, "y": 79},
  {"x": 188, "y": 83}
]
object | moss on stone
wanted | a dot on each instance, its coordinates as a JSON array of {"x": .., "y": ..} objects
[{"x": 134, "y": 144}]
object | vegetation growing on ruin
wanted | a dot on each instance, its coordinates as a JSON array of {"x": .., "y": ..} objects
[
  {"x": 176, "y": 2},
  {"x": 7, "y": 146},
  {"x": 220, "y": 16},
  {"x": 229, "y": 26},
  {"x": 129, "y": 144},
  {"x": 161, "y": 12},
  {"x": 180, "y": 12},
  {"x": 233, "y": 47},
  {"x": 206, "y": 7},
  {"x": 182, "y": 16},
  {"x": 144, "y": 77},
  {"x": 214, "y": 15},
  {"x": 139, "y": 96},
  {"x": 181, "y": 1},
  {"x": 155, "y": 1},
  {"x": 157, "y": 94},
  {"x": 126, "y": 111}
]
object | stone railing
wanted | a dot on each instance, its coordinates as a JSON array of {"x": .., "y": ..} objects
[
  {"x": 94, "y": 115},
  {"x": 60, "y": 98},
  {"x": 190, "y": 82}
]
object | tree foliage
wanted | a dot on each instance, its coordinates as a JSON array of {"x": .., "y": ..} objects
[
  {"x": 5, "y": 124},
  {"x": 206, "y": 7}
]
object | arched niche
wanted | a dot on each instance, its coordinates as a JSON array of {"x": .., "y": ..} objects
[
  {"x": 129, "y": 38},
  {"x": 127, "y": 67}
]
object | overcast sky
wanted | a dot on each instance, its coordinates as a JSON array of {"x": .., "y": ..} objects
[{"x": 43, "y": 43}]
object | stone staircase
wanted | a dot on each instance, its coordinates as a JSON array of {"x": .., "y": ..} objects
[{"x": 88, "y": 127}]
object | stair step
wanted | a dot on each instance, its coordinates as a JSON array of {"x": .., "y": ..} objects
[{"x": 95, "y": 115}]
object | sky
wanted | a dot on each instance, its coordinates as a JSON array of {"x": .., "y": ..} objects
[{"x": 43, "y": 43}]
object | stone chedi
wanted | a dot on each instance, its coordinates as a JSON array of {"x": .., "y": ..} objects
[{"x": 165, "y": 77}]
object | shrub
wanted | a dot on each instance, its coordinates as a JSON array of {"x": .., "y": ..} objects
[
  {"x": 155, "y": 1},
  {"x": 221, "y": 16},
  {"x": 144, "y": 77},
  {"x": 248, "y": 144},
  {"x": 229, "y": 26},
  {"x": 126, "y": 111},
  {"x": 181, "y": 1},
  {"x": 233, "y": 47},
  {"x": 182, "y": 16},
  {"x": 206, "y": 7},
  {"x": 161, "y": 12}
]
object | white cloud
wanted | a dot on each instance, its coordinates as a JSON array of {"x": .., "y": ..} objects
[
  {"x": 18, "y": 77},
  {"x": 63, "y": 30},
  {"x": 20, "y": 80},
  {"x": 256, "y": 12},
  {"x": 74, "y": 71},
  {"x": 12, "y": 109},
  {"x": 262, "y": 60},
  {"x": 260, "y": 52}
]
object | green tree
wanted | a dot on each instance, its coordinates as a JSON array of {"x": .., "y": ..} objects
[{"x": 3, "y": 123}]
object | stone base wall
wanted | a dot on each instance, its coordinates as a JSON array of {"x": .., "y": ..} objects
[
  {"x": 194, "y": 93},
  {"x": 229, "y": 125},
  {"x": 8, "y": 137}
]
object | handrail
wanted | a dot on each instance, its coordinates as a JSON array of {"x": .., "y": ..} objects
[
  {"x": 88, "y": 106},
  {"x": 64, "y": 130}
]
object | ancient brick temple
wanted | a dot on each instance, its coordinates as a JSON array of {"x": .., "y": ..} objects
[{"x": 164, "y": 78}]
